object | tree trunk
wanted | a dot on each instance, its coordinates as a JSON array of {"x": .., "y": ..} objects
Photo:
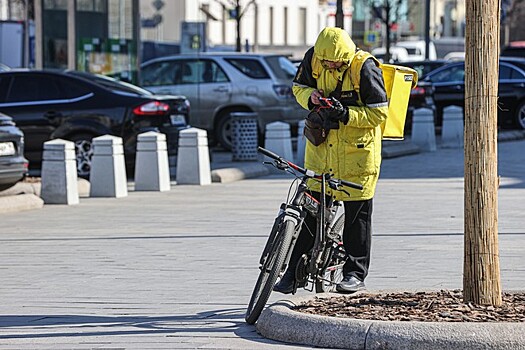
[
  {"x": 481, "y": 274},
  {"x": 238, "y": 28}
]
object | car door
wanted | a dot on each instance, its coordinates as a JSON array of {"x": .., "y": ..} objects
[
  {"x": 174, "y": 77},
  {"x": 511, "y": 89},
  {"x": 32, "y": 101},
  {"x": 449, "y": 85},
  {"x": 449, "y": 88},
  {"x": 215, "y": 89}
]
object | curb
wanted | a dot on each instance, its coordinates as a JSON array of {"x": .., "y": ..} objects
[
  {"x": 244, "y": 171},
  {"x": 391, "y": 150},
  {"x": 26, "y": 196},
  {"x": 279, "y": 322},
  {"x": 512, "y": 135},
  {"x": 15, "y": 203}
]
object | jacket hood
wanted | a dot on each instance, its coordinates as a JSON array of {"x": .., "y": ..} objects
[{"x": 334, "y": 44}]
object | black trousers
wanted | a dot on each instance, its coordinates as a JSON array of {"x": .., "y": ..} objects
[{"x": 357, "y": 238}]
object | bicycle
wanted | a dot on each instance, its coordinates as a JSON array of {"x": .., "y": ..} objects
[{"x": 322, "y": 266}]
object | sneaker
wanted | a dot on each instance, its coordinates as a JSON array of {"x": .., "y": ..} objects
[
  {"x": 350, "y": 284},
  {"x": 286, "y": 284}
]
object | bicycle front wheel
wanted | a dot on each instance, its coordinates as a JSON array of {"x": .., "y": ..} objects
[{"x": 270, "y": 271}]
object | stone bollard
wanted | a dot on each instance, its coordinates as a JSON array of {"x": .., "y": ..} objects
[
  {"x": 193, "y": 159},
  {"x": 278, "y": 139},
  {"x": 152, "y": 171},
  {"x": 59, "y": 173},
  {"x": 452, "y": 131},
  {"x": 244, "y": 136},
  {"x": 108, "y": 169},
  {"x": 423, "y": 129},
  {"x": 301, "y": 144}
]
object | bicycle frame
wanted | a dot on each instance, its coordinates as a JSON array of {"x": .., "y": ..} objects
[{"x": 297, "y": 211}]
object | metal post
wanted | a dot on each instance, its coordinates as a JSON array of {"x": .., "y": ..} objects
[
  {"x": 39, "y": 35},
  {"x": 72, "y": 34},
  {"x": 339, "y": 16},
  {"x": 427, "y": 29}
]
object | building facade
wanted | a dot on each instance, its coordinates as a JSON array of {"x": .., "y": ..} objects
[
  {"x": 105, "y": 36},
  {"x": 270, "y": 25}
]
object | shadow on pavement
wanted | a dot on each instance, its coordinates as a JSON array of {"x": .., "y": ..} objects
[{"x": 213, "y": 321}]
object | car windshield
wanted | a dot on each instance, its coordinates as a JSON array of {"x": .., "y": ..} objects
[
  {"x": 281, "y": 66},
  {"x": 112, "y": 84}
]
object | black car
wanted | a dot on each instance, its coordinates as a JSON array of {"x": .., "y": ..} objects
[
  {"x": 446, "y": 85},
  {"x": 13, "y": 165},
  {"x": 79, "y": 106}
]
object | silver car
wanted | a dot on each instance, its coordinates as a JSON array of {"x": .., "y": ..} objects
[{"x": 217, "y": 84}]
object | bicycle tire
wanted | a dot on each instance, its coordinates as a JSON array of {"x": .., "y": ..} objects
[
  {"x": 332, "y": 277},
  {"x": 271, "y": 238},
  {"x": 270, "y": 272}
]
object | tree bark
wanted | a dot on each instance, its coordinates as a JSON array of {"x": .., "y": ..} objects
[{"x": 481, "y": 273}]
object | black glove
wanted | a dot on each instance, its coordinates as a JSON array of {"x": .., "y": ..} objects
[
  {"x": 327, "y": 115},
  {"x": 338, "y": 112}
]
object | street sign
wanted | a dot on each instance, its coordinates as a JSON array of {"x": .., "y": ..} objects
[
  {"x": 371, "y": 37},
  {"x": 193, "y": 37}
]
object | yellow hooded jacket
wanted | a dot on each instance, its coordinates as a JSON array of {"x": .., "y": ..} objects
[{"x": 352, "y": 152}]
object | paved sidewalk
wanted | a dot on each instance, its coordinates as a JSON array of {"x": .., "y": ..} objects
[{"x": 175, "y": 270}]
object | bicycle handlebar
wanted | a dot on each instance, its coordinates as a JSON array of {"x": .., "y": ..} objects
[{"x": 305, "y": 171}]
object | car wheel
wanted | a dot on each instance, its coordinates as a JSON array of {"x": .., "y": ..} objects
[
  {"x": 84, "y": 153},
  {"x": 223, "y": 132},
  {"x": 520, "y": 115}
]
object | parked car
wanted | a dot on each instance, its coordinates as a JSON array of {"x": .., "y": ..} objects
[
  {"x": 397, "y": 54},
  {"x": 218, "y": 84},
  {"x": 79, "y": 106},
  {"x": 13, "y": 165},
  {"x": 424, "y": 67},
  {"x": 446, "y": 85},
  {"x": 416, "y": 50}
]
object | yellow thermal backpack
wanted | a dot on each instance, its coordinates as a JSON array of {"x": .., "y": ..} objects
[{"x": 398, "y": 83}]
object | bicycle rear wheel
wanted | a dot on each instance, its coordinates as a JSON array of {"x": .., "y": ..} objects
[{"x": 270, "y": 271}]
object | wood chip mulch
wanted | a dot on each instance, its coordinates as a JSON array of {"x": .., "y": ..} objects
[{"x": 442, "y": 306}]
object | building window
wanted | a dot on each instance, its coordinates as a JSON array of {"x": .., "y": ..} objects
[
  {"x": 91, "y": 5},
  {"x": 302, "y": 25},
  {"x": 55, "y": 4}
]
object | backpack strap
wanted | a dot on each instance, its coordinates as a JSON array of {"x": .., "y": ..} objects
[
  {"x": 339, "y": 88},
  {"x": 356, "y": 65}
]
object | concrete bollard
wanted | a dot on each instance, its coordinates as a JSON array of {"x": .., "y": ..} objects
[
  {"x": 193, "y": 158},
  {"x": 301, "y": 144},
  {"x": 108, "y": 169},
  {"x": 452, "y": 131},
  {"x": 59, "y": 173},
  {"x": 423, "y": 129},
  {"x": 152, "y": 171},
  {"x": 278, "y": 139}
]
